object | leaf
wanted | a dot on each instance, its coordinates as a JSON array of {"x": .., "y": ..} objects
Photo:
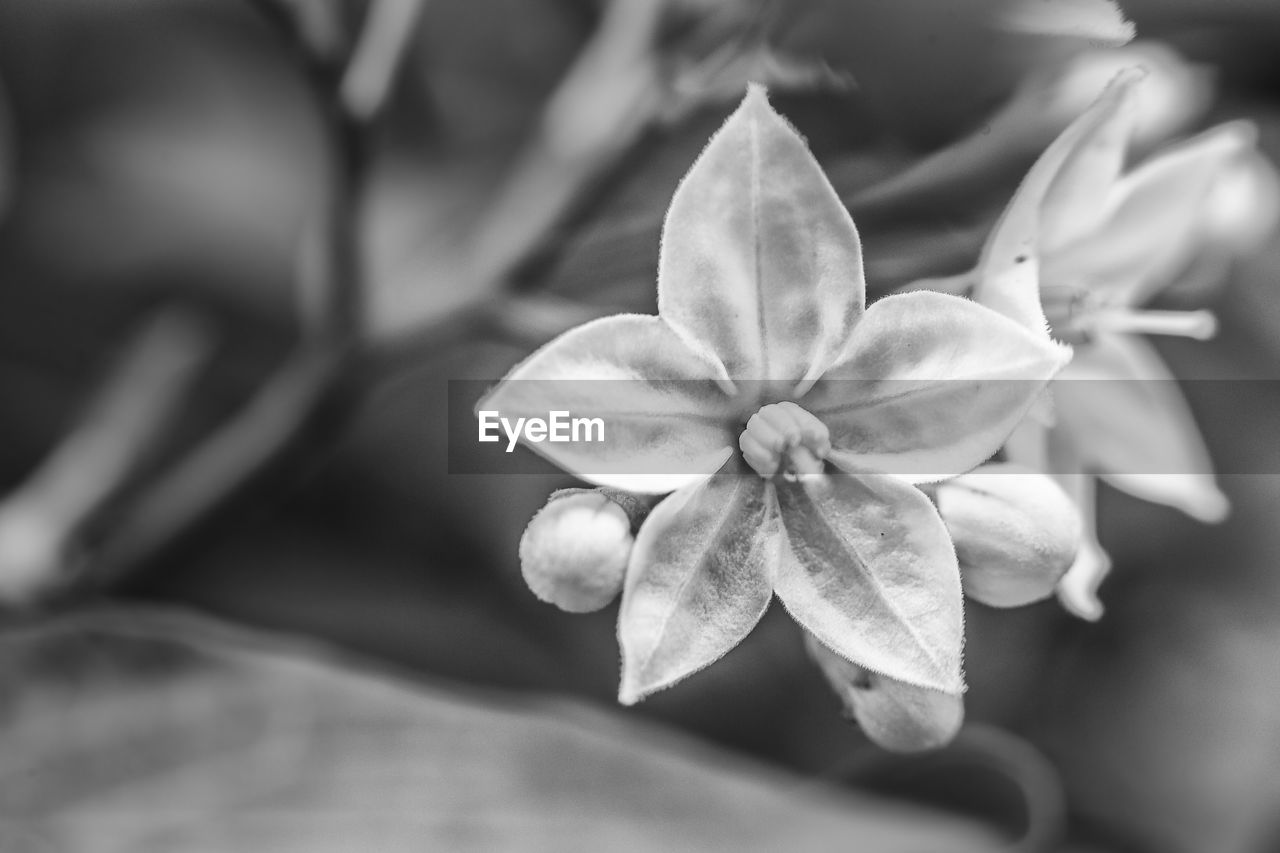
[
  {"x": 1125, "y": 412},
  {"x": 931, "y": 385},
  {"x": 699, "y": 579},
  {"x": 1150, "y": 228},
  {"x": 871, "y": 573},
  {"x": 897, "y": 716},
  {"x": 139, "y": 731},
  {"x": 760, "y": 265},
  {"x": 665, "y": 414},
  {"x": 1008, "y": 271}
]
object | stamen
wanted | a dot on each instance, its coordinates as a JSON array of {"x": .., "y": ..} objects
[{"x": 1200, "y": 325}]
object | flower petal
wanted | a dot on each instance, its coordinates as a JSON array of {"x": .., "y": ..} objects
[
  {"x": 1150, "y": 229},
  {"x": 699, "y": 579},
  {"x": 761, "y": 266},
  {"x": 1079, "y": 163},
  {"x": 1098, "y": 22},
  {"x": 1078, "y": 588},
  {"x": 897, "y": 716},
  {"x": 1124, "y": 410},
  {"x": 664, "y": 410},
  {"x": 869, "y": 570},
  {"x": 931, "y": 385}
]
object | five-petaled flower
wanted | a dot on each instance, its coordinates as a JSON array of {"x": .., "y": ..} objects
[
  {"x": 792, "y": 418},
  {"x": 1082, "y": 244}
]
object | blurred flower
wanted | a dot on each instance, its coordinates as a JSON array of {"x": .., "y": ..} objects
[
  {"x": 1082, "y": 244},
  {"x": 1243, "y": 206},
  {"x": 1015, "y": 530},
  {"x": 1174, "y": 92},
  {"x": 761, "y": 304},
  {"x": 1046, "y": 101},
  {"x": 897, "y": 716}
]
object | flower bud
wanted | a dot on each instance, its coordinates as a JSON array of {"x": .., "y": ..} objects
[
  {"x": 1015, "y": 531},
  {"x": 574, "y": 552},
  {"x": 898, "y": 716},
  {"x": 1243, "y": 206}
]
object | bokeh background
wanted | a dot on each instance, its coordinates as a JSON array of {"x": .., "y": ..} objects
[{"x": 165, "y": 166}]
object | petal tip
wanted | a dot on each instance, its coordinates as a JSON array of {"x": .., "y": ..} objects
[
  {"x": 1210, "y": 507},
  {"x": 757, "y": 94},
  {"x": 755, "y": 104},
  {"x": 1089, "y": 609},
  {"x": 630, "y": 691},
  {"x": 1126, "y": 78}
]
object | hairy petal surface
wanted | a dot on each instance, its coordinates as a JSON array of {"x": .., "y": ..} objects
[
  {"x": 931, "y": 386},
  {"x": 761, "y": 266},
  {"x": 699, "y": 579},
  {"x": 1072, "y": 173},
  {"x": 664, "y": 407},
  {"x": 870, "y": 571},
  {"x": 1126, "y": 414}
]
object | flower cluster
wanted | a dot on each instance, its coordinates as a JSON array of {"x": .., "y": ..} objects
[
  {"x": 841, "y": 455},
  {"x": 1081, "y": 247}
]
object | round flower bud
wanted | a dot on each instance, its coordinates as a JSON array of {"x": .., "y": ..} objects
[
  {"x": 1243, "y": 206},
  {"x": 898, "y": 716},
  {"x": 1015, "y": 531},
  {"x": 574, "y": 552}
]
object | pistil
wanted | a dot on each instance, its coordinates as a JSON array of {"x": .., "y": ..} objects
[
  {"x": 784, "y": 440},
  {"x": 1200, "y": 325}
]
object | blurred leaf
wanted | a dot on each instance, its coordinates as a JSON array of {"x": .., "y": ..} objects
[
  {"x": 204, "y": 171},
  {"x": 130, "y": 731}
]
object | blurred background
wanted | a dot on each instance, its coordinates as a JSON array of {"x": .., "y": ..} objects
[{"x": 236, "y": 277}]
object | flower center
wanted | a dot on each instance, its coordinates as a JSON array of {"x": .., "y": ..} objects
[
  {"x": 1076, "y": 317},
  {"x": 783, "y": 439}
]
